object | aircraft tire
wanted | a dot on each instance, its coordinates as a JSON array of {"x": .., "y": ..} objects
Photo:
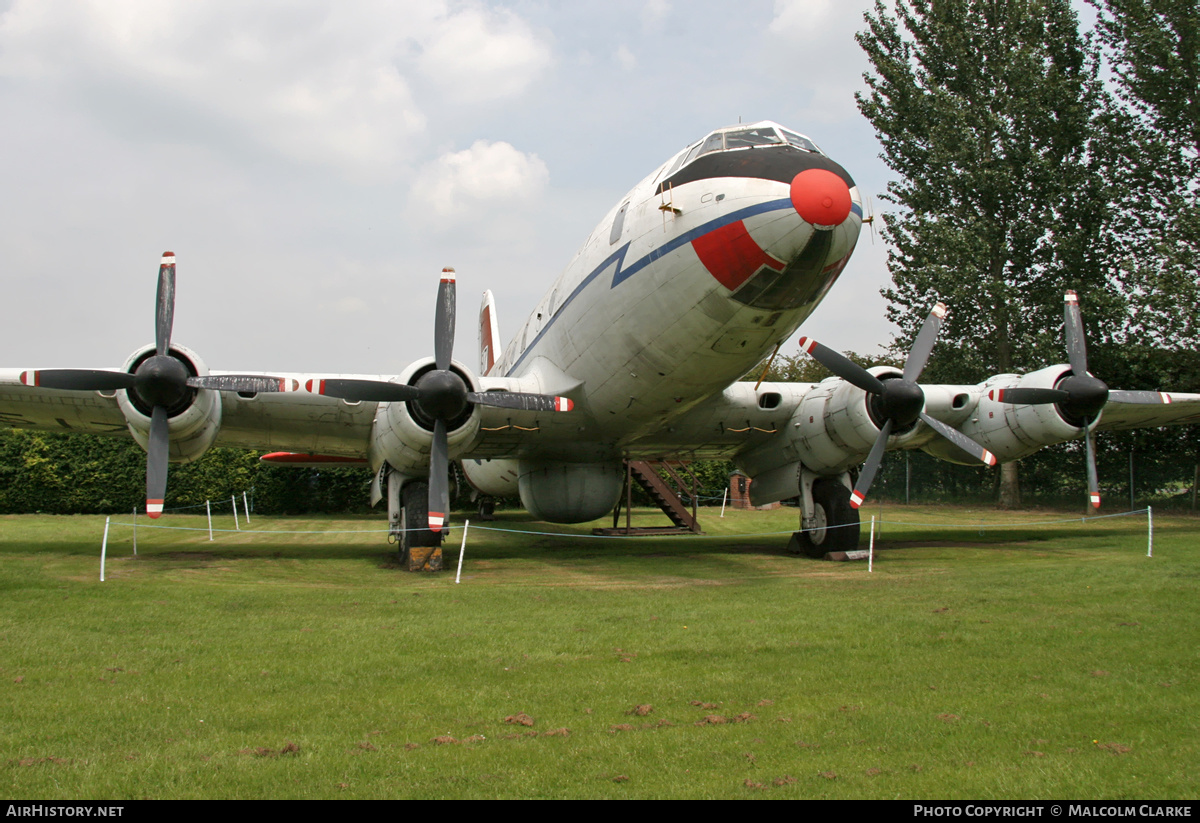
[
  {"x": 837, "y": 521},
  {"x": 414, "y": 519}
]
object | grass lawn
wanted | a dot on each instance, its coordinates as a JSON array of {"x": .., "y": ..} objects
[{"x": 1049, "y": 661}]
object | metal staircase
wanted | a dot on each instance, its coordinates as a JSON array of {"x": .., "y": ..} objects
[{"x": 667, "y": 493}]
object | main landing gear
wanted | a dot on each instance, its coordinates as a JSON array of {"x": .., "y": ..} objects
[
  {"x": 420, "y": 549},
  {"x": 829, "y": 522}
]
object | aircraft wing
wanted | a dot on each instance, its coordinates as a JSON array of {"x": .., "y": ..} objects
[
  {"x": 28, "y": 407},
  {"x": 300, "y": 421},
  {"x": 297, "y": 421},
  {"x": 1178, "y": 410}
]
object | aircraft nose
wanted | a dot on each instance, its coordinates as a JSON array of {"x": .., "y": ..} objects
[{"x": 821, "y": 198}]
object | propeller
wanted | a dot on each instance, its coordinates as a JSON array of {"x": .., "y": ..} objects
[
  {"x": 161, "y": 381},
  {"x": 869, "y": 220},
  {"x": 1080, "y": 397},
  {"x": 441, "y": 395},
  {"x": 899, "y": 402}
]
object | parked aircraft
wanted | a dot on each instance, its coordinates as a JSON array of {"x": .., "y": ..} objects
[{"x": 711, "y": 261}]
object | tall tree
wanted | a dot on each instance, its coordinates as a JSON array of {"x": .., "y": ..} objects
[
  {"x": 1153, "y": 47},
  {"x": 986, "y": 110}
]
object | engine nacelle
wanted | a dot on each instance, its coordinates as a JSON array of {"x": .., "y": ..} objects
[
  {"x": 494, "y": 478},
  {"x": 1012, "y": 431},
  {"x": 193, "y": 423},
  {"x": 833, "y": 429},
  {"x": 570, "y": 492},
  {"x": 403, "y": 436}
]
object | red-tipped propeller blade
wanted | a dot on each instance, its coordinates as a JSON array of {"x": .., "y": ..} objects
[
  {"x": 156, "y": 462},
  {"x": 439, "y": 478},
  {"x": 164, "y": 316}
]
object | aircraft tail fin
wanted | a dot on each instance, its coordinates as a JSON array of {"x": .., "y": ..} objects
[{"x": 489, "y": 333}]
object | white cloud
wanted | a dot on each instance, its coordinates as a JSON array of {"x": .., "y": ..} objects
[
  {"x": 653, "y": 13},
  {"x": 478, "y": 54},
  {"x": 804, "y": 21},
  {"x": 318, "y": 83},
  {"x": 487, "y": 174},
  {"x": 820, "y": 52},
  {"x": 626, "y": 58}
]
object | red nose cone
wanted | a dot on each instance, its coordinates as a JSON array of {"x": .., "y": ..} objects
[{"x": 821, "y": 197}]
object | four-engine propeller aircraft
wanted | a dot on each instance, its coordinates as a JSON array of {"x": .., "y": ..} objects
[{"x": 635, "y": 352}]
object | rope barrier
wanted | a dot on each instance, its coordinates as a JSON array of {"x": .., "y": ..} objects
[{"x": 450, "y": 528}]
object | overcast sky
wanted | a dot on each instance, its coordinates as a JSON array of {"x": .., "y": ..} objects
[{"x": 314, "y": 165}]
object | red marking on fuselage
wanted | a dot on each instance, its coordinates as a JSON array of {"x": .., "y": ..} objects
[
  {"x": 485, "y": 334},
  {"x": 732, "y": 256},
  {"x": 284, "y": 458}
]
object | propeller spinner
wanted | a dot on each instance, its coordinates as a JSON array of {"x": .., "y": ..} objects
[
  {"x": 442, "y": 395},
  {"x": 899, "y": 402}
]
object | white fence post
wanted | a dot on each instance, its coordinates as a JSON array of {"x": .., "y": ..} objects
[{"x": 104, "y": 548}]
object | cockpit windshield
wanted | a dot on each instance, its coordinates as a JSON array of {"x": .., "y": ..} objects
[
  {"x": 756, "y": 136},
  {"x": 746, "y": 138}
]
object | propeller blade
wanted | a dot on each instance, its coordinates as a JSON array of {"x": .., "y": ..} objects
[
  {"x": 374, "y": 391},
  {"x": 1093, "y": 482},
  {"x": 521, "y": 400},
  {"x": 443, "y": 331},
  {"x": 78, "y": 379},
  {"x": 1029, "y": 397},
  {"x": 1139, "y": 398},
  {"x": 251, "y": 383},
  {"x": 842, "y": 366},
  {"x": 961, "y": 440},
  {"x": 156, "y": 462},
  {"x": 870, "y": 467},
  {"x": 165, "y": 303},
  {"x": 922, "y": 347},
  {"x": 1076, "y": 343},
  {"x": 439, "y": 478}
]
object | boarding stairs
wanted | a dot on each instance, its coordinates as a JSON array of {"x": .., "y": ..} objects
[{"x": 667, "y": 493}]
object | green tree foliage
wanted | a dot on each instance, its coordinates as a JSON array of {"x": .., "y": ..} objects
[
  {"x": 86, "y": 474},
  {"x": 1153, "y": 47},
  {"x": 987, "y": 113}
]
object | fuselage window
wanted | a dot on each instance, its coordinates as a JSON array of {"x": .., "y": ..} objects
[
  {"x": 747, "y": 138},
  {"x": 618, "y": 225}
]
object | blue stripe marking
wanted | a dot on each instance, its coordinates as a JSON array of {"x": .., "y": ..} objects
[{"x": 623, "y": 274}]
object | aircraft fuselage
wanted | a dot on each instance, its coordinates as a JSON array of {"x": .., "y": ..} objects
[{"x": 684, "y": 285}]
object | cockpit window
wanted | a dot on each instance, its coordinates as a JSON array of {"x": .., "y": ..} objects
[
  {"x": 733, "y": 138},
  {"x": 683, "y": 158},
  {"x": 747, "y": 138},
  {"x": 713, "y": 143},
  {"x": 800, "y": 142}
]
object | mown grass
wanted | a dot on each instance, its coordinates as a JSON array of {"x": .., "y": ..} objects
[{"x": 1052, "y": 661}]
